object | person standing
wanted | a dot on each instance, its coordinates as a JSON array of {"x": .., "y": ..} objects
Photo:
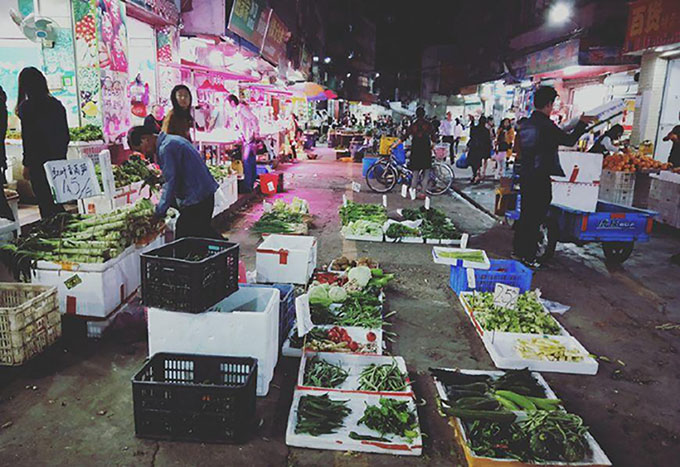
[
  {"x": 44, "y": 135},
  {"x": 249, "y": 129},
  {"x": 187, "y": 180},
  {"x": 539, "y": 142},
  {"x": 605, "y": 143},
  {"x": 421, "y": 133},
  {"x": 479, "y": 148},
  {"x": 458, "y": 131},
  {"x": 504, "y": 141},
  {"x": 5, "y": 210},
  {"x": 155, "y": 118},
  {"x": 674, "y": 137},
  {"x": 446, "y": 130},
  {"x": 179, "y": 120}
]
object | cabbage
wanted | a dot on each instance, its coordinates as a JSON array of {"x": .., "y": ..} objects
[
  {"x": 337, "y": 294},
  {"x": 360, "y": 275},
  {"x": 318, "y": 293},
  {"x": 362, "y": 227}
]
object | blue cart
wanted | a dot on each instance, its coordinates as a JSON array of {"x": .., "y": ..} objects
[{"x": 617, "y": 227}]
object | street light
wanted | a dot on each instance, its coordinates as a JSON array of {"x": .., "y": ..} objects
[
  {"x": 377, "y": 75},
  {"x": 349, "y": 75},
  {"x": 315, "y": 58},
  {"x": 559, "y": 13},
  {"x": 327, "y": 60}
]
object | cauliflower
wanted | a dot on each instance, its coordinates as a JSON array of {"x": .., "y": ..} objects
[
  {"x": 318, "y": 293},
  {"x": 360, "y": 274},
  {"x": 337, "y": 294}
]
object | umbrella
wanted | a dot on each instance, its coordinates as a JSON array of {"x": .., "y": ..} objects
[
  {"x": 330, "y": 94},
  {"x": 308, "y": 89}
]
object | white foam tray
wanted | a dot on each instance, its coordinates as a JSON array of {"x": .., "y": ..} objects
[
  {"x": 365, "y": 238},
  {"x": 501, "y": 348},
  {"x": 340, "y": 441},
  {"x": 354, "y": 364},
  {"x": 436, "y": 251}
]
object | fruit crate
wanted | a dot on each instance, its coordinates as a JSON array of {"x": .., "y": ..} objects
[
  {"x": 172, "y": 280},
  {"x": 29, "y": 321},
  {"x": 502, "y": 271},
  {"x": 184, "y": 397},
  {"x": 286, "y": 308}
]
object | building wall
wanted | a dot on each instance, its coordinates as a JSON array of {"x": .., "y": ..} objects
[{"x": 649, "y": 100}]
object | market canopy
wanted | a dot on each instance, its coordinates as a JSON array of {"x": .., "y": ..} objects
[{"x": 222, "y": 73}]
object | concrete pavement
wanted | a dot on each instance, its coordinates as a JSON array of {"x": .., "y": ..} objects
[{"x": 73, "y": 406}]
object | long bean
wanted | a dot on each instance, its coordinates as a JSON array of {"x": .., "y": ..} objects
[
  {"x": 387, "y": 377},
  {"x": 319, "y": 415},
  {"x": 321, "y": 373}
]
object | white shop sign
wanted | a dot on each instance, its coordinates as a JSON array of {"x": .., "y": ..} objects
[{"x": 72, "y": 179}]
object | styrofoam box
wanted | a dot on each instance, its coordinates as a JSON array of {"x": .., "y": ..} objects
[
  {"x": 133, "y": 268},
  {"x": 286, "y": 259},
  {"x": 123, "y": 196},
  {"x": 340, "y": 440},
  {"x": 578, "y": 196},
  {"x": 580, "y": 167},
  {"x": 245, "y": 324},
  {"x": 102, "y": 287},
  {"x": 405, "y": 240},
  {"x": 365, "y": 238},
  {"x": 502, "y": 350},
  {"x": 354, "y": 364},
  {"x": 226, "y": 194},
  {"x": 486, "y": 264}
]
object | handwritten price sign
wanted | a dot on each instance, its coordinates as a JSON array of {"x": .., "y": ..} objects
[
  {"x": 72, "y": 179},
  {"x": 505, "y": 296}
]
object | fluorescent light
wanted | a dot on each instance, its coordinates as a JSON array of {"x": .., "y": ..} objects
[
  {"x": 315, "y": 58},
  {"x": 327, "y": 60},
  {"x": 349, "y": 75},
  {"x": 670, "y": 53},
  {"x": 559, "y": 13},
  {"x": 377, "y": 75}
]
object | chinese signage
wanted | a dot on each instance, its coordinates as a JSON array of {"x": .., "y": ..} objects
[
  {"x": 274, "y": 48},
  {"x": 72, "y": 179},
  {"x": 249, "y": 20},
  {"x": 553, "y": 58},
  {"x": 652, "y": 23}
]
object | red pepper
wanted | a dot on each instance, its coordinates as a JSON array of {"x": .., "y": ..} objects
[
  {"x": 353, "y": 346},
  {"x": 371, "y": 336}
]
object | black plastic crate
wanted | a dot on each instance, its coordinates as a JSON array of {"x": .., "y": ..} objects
[
  {"x": 195, "y": 398},
  {"x": 171, "y": 280},
  {"x": 286, "y": 308}
]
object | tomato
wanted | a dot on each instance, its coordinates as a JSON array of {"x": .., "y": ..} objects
[
  {"x": 353, "y": 346},
  {"x": 370, "y": 337}
]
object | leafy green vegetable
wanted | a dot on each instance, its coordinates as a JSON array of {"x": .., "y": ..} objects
[
  {"x": 380, "y": 378},
  {"x": 391, "y": 416},
  {"x": 369, "y": 212},
  {"x": 528, "y": 316},
  {"x": 397, "y": 230},
  {"x": 86, "y": 133},
  {"x": 319, "y": 415},
  {"x": 320, "y": 373}
]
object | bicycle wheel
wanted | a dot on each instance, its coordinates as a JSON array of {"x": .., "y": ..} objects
[
  {"x": 441, "y": 179},
  {"x": 381, "y": 177}
]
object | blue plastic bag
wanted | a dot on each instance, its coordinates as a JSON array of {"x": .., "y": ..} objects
[{"x": 462, "y": 162}]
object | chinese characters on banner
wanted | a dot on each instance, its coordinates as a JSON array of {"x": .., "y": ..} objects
[
  {"x": 274, "y": 48},
  {"x": 652, "y": 23},
  {"x": 249, "y": 20}
]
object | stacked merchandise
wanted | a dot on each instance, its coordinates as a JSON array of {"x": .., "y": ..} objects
[
  {"x": 579, "y": 188},
  {"x": 369, "y": 222},
  {"x": 626, "y": 178},
  {"x": 93, "y": 260},
  {"x": 512, "y": 418},
  {"x": 196, "y": 306},
  {"x": 664, "y": 197},
  {"x": 227, "y": 192}
]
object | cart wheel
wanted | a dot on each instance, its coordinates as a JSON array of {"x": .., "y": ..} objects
[
  {"x": 617, "y": 252},
  {"x": 547, "y": 240}
]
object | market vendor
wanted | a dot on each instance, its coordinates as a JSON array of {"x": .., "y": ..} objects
[
  {"x": 248, "y": 127},
  {"x": 605, "y": 143},
  {"x": 539, "y": 140},
  {"x": 187, "y": 180}
]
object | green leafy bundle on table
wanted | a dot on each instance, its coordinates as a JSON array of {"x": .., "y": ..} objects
[
  {"x": 369, "y": 212},
  {"x": 320, "y": 415},
  {"x": 81, "y": 238},
  {"x": 528, "y": 316},
  {"x": 391, "y": 416},
  {"x": 86, "y": 133},
  {"x": 284, "y": 218},
  {"x": 436, "y": 224},
  {"x": 219, "y": 172}
]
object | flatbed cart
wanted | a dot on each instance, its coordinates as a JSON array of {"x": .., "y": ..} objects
[{"x": 617, "y": 227}]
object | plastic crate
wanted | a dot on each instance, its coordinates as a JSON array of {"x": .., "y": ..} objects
[
  {"x": 29, "y": 321},
  {"x": 502, "y": 271},
  {"x": 286, "y": 308},
  {"x": 184, "y": 397},
  {"x": 172, "y": 283}
]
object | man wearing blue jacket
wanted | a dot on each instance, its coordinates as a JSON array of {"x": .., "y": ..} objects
[{"x": 188, "y": 181}]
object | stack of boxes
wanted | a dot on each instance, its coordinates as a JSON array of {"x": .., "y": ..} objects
[
  {"x": 664, "y": 198},
  {"x": 580, "y": 187}
]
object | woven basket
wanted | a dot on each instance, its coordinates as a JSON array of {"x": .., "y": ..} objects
[{"x": 29, "y": 321}]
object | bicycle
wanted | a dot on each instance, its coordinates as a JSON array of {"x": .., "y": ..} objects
[{"x": 384, "y": 174}]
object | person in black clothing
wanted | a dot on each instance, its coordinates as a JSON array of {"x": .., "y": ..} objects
[
  {"x": 5, "y": 210},
  {"x": 422, "y": 134},
  {"x": 479, "y": 147},
  {"x": 674, "y": 136},
  {"x": 605, "y": 143},
  {"x": 44, "y": 134},
  {"x": 539, "y": 141},
  {"x": 154, "y": 121}
]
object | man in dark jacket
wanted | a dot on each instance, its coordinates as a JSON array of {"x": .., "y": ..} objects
[
  {"x": 187, "y": 180},
  {"x": 539, "y": 140}
]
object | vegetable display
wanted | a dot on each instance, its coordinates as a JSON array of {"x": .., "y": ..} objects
[
  {"x": 284, "y": 218},
  {"x": 544, "y": 348},
  {"x": 381, "y": 378},
  {"x": 336, "y": 339},
  {"x": 436, "y": 224},
  {"x": 362, "y": 228},
  {"x": 471, "y": 256},
  {"x": 369, "y": 212},
  {"x": 343, "y": 263},
  {"x": 397, "y": 230},
  {"x": 321, "y": 373},
  {"x": 86, "y": 133},
  {"x": 391, "y": 416},
  {"x": 219, "y": 172},
  {"x": 542, "y": 437},
  {"x": 81, "y": 238},
  {"x": 136, "y": 170},
  {"x": 630, "y": 162},
  {"x": 319, "y": 415},
  {"x": 527, "y": 317}
]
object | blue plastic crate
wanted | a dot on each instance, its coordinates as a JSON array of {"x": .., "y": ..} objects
[
  {"x": 286, "y": 307},
  {"x": 503, "y": 271}
]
